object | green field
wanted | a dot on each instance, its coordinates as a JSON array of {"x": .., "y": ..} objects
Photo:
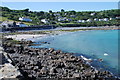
[{"x": 5, "y": 19}]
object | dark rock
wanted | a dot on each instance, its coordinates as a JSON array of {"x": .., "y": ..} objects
[
  {"x": 60, "y": 65},
  {"x": 53, "y": 70},
  {"x": 45, "y": 63},
  {"x": 44, "y": 70},
  {"x": 44, "y": 42},
  {"x": 54, "y": 52},
  {"x": 51, "y": 50}
]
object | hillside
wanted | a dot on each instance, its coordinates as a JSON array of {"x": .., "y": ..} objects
[
  {"x": 64, "y": 18},
  {"x": 6, "y": 19}
]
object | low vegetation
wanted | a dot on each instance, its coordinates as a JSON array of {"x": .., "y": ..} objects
[{"x": 70, "y": 17}]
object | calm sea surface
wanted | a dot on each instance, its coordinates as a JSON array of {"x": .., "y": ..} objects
[{"x": 94, "y": 44}]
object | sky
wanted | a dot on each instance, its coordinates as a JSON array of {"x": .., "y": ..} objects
[{"x": 57, "y": 6}]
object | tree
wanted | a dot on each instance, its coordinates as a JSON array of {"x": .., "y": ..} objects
[
  {"x": 50, "y": 11},
  {"x": 41, "y": 12},
  {"x": 62, "y": 10},
  {"x": 73, "y": 12},
  {"x": 26, "y": 10},
  {"x": 5, "y": 9}
]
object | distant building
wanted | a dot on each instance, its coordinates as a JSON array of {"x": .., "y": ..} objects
[
  {"x": 44, "y": 21},
  {"x": 62, "y": 19},
  {"x": 79, "y": 21},
  {"x": 21, "y": 25},
  {"x": 96, "y": 19},
  {"x": 83, "y": 21},
  {"x": 72, "y": 16},
  {"x": 92, "y": 14},
  {"x": 100, "y": 19},
  {"x": 118, "y": 17},
  {"x": 111, "y": 19},
  {"x": 89, "y": 20},
  {"x": 105, "y": 19},
  {"x": 65, "y": 14},
  {"x": 68, "y": 19},
  {"x": 25, "y": 19}
]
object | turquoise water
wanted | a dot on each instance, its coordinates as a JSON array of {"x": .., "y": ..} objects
[{"x": 94, "y": 44}]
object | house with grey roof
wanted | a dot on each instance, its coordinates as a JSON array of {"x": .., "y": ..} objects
[{"x": 25, "y": 19}]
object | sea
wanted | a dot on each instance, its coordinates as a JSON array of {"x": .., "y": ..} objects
[{"x": 92, "y": 44}]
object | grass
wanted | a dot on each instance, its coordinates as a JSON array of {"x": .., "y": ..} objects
[{"x": 6, "y": 19}]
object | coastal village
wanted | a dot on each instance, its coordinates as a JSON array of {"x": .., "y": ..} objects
[
  {"x": 46, "y": 21},
  {"x": 26, "y": 18}
]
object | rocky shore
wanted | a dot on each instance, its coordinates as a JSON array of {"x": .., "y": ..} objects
[
  {"x": 44, "y": 63},
  {"x": 7, "y": 70}
]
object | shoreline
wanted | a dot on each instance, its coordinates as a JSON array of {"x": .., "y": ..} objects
[
  {"x": 25, "y": 37},
  {"x": 44, "y": 33},
  {"x": 58, "y": 59}
]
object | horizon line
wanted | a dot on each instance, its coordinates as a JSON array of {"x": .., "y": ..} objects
[{"x": 59, "y": 10}]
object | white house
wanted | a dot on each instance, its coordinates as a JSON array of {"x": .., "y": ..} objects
[
  {"x": 118, "y": 17},
  {"x": 25, "y": 19},
  {"x": 89, "y": 20},
  {"x": 69, "y": 19},
  {"x": 83, "y": 21},
  {"x": 62, "y": 19},
  {"x": 92, "y": 14},
  {"x": 96, "y": 19},
  {"x": 44, "y": 21},
  {"x": 105, "y": 19},
  {"x": 72, "y": 16},
  {"x": 65, "y": 14},
  {"x": 111, "y": 19},
  {"x": 79, "y": 21},
  {"x": 21, "y": 25},
  {"x": 100, "y": 19}
]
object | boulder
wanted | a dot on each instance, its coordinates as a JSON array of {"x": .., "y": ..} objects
[
  {"x": 51, "y": 50},
  {"x": 76, "y": 75},
  {"x": 44, "y": 70},
  {"x": 53, "y": 70}
]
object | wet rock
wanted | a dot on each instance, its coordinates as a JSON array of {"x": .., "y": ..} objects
[
  {"x": 46, "y": 63},
  {"x": 76, "y": 75},
  {"x": 51, "y": 50},
  {"x": 54, "y": 52},
  {"x": 44, "y": 42},
  {"x": 60, "y": 65},
  {"x": 53, "y": 70},
  {"x": 44, "y": 70}
]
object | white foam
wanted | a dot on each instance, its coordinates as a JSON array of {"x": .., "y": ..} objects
[
  {"x": 85, "y": 58},
  {"x": 105, "y": 54}
]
